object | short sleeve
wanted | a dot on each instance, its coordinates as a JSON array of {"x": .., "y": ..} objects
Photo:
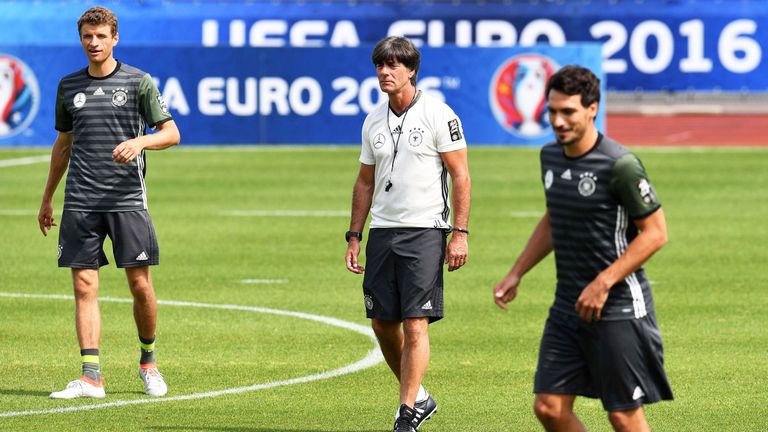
[
  {"x": 632, "y": 188},
  {"x": 63, "y": 116},
  {"x": 366, "y": 151},
  {"x": 151, "y": 103},
  {"x": 449, "y": 131}
]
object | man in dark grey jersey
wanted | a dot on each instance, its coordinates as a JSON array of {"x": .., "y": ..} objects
[
  {"x": 102, "y": 112},
  {"x": 603, "y": 221}
]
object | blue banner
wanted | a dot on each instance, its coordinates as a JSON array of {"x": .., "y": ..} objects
[
  {"x": 651, "y": 45},
  {"x": 303, "y": 95}
]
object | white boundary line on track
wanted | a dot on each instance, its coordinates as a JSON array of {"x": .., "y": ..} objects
[
  {"x": 286, "y": 213},
  {"x": 373, "y": 357},
  {"x": 24, "y": 161},
  {"x": 263, "y": 281}
]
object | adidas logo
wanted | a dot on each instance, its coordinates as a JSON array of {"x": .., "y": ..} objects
[
  {"x": 398, "y": 130},
  {"x": 142, "y": 256},
  {"x": 566, "y": 175},
  {"x": 427, "y": 305},
  {"x": 98, "y": 92},
  {"x": 638, "y": 393}
]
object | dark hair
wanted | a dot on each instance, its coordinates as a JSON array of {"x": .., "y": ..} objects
[
  {"x": 576, "y": 80},
  {"x": 400, "y": 49},
  {"x": 98, "y": 15}
]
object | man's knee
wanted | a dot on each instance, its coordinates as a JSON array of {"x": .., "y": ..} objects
[
  {"x": 550, "y": 409},
  {"x": 384, "y": 328},
  {"x": 628, "y": 421},
  {"x": 86, "y": 283},
  {"x": 415, "y": 328}
]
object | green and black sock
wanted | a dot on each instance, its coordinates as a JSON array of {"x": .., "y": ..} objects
[
  {"x": 91, "y": 367},
  {"x": 147, "y": 351}
]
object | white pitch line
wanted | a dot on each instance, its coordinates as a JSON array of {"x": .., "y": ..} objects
[
  {"x": 24, "y": 161},
  {"x": 286, "y": 213},
  {"x": 16, "y": 212},
  {"x": 264, "y": 281},
  {"x": 373, "y": 357},
  {"x": 526, "y": 214}
]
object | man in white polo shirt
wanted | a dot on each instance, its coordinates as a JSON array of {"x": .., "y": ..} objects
[{"x": 411, "y": 147}]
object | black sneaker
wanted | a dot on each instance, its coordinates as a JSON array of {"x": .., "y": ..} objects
[
  {"x": 424, "y": 410},
  {"x": 406, "y": 420}
]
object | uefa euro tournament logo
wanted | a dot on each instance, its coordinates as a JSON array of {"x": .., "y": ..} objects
[
  {"x": 517, "y": 94},
  {"x": 19, "y": 96}
]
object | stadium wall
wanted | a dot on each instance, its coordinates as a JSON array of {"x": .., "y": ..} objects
[{"x": 706, "y": 48}]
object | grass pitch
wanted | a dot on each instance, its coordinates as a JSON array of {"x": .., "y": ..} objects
[{"x": 276, "y": 217}]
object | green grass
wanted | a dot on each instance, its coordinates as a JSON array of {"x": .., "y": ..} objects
[{"x": 709, "y": 288}]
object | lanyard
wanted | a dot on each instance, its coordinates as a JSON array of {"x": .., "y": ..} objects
[{"x": 396, "y": 142}]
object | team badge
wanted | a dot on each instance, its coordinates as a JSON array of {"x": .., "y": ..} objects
[
  {"x": 646, "y": 191},
  {"x": 416, "y": 137},
  {"x": 368, "y": 302},
  {"x": 19, "y": 96},
  {"x": 79, "y": 100},
  {"x": 549, "y": 178},
  {"x": 61, "y": 249},
  {"x": 119, "y": 97},
  {"x": 163, "y": 105},
  {"x": 454, "y": 129},
  {"x": 378, "y": 140},
  {"x": 587, "y": 184}
]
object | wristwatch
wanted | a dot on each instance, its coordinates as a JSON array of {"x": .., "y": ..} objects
[{"x": 349, "y": 234}]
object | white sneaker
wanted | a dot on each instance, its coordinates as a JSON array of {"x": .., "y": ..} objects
[
  {"x": 83, "y": 387},
  {"x": 154, "y": 384}
]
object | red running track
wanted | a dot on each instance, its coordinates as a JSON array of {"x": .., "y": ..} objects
[{"x": 689, "y": 130}]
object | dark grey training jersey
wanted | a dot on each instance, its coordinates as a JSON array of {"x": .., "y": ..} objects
[
  {"x": 101, "y": 113},
  {"x": 592, "y": 201}
]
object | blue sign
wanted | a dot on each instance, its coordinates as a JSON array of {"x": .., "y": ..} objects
[
  {"x": 318, "y": 95},
  {"x": 650, "y": 45}
]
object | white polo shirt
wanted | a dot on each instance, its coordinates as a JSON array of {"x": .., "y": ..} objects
[{"x": 419, "y": 194}]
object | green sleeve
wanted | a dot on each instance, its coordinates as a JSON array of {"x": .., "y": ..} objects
[
  {"x": 151, "y": 103},
  {"x": 631, "y": 187},
  {"x": 63, "y": 117}
]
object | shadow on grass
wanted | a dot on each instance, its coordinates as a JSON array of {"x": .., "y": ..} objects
[
  {"x": 251, "y": 429},
  {"x": 15, "y": 392}
]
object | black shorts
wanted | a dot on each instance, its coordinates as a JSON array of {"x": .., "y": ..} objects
[
  {"x": 81, "y": 239},
  {"x": 621, "y": 362},
  {"x": 404, "y": 273}
]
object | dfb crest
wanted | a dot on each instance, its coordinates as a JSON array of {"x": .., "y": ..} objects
[{"x": 517, "y": 94}]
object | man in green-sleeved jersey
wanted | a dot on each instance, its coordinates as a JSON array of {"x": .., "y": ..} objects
[
  {"x": 102, "y": 112},
  {"x": 603, "y": 221}
]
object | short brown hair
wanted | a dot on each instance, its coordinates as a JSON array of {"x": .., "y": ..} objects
[
  {"x": 576, "y": 80},
  {"x": 399, "y": 49},
  {"x": 98, "y": 15}
]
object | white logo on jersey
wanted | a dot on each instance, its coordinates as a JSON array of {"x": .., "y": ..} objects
[
  {"x": 587, "y": 184},
  {"x": 79, "y": 100},
  {"x": 142, "y": 256},
  {"x": 549, "y": 177},
  {"x": 566, "y": 175},
  {"x": 119, "y": 97},
  {"x": 98, "y": 92},
  {"x": 427, "y": 305}
]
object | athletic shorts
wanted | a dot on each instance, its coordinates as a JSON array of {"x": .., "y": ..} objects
[
  {"x": 404, "y": 273},
  {"x": 82, "y": 234},
  {"x": 621, "y": 362}
]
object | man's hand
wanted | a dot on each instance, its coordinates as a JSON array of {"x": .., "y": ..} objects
[
  {"x": 590, "y": 304},
  {"x": 505, "y": 291},
  {"x": 353, "y": 251},
  {"x": 126, "y": 151},
  {"x": 457, "y": 250},
  {"x": 45, "y": 217}
]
